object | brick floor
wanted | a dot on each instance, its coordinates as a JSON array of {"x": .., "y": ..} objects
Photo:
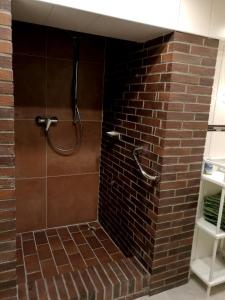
[
  {"x": 78, "y": 262},
  {"x": 42, "y": 254},
  {"x": 100, "y": 282}
]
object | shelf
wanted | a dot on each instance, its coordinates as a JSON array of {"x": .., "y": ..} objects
[
  {"x": 216, "y": 177},
  {"x": 201, "y": 268},
  {"x": 219, "y": 162},
  {"x": 210, "y": 228}
]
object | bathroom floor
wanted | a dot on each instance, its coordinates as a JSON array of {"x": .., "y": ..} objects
[
  {"x": 193, "y": 290},
  {"x": 46, "y": 253}
]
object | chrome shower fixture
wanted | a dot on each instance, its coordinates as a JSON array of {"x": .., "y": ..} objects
[{"x": 46, "y": 122}]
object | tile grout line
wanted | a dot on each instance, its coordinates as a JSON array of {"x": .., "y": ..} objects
[
  {"x": 93, "y": 250},
  {"x": 102, "y": 283},
  {"x": 120, "y": 283},
  {"x": 56, "y": 176},
  {"x": 108, "y": 237},
  {"x": 82, "y": 280},
  {"x": 37, "y": 290},
  {"x": 66, "y": 288},
  {"x": 67, "y": 255},
  {"x": 74, "y": 284},
  {"x": 60, "y": 120},
  {"x": 46, "y": 142},
  {"x": 56, "y": 287},
  {"x": 53, "y": 257},
  {"x": 78, "y": 245},
  {"x": 104, "y": 271},
  {"x": 46, "y": 288},
  {"x": 125, "y": 275},
  {"x": 90, "y": 278},
  {"x": 24, "y": 267},
  {"x": 63, "y": 226},
  {"x": 39, "y": 261}
]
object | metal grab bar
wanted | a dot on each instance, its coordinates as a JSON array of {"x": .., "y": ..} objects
[{"x": 146, "y": 175}]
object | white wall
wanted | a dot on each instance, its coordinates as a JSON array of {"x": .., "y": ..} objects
[
  {"x": 215, "y": 141},
  {"x": 215, "y": 145}
]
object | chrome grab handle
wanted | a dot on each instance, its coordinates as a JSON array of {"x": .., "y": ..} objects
[{"x": 146, "y": 175}]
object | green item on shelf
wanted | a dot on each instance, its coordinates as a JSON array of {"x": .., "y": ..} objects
[{"x": 211, "y": 209}]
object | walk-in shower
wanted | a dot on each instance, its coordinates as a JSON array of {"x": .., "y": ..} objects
[
  {"x": 144, "y": 117},
  {"x": 47, "y": 122}
]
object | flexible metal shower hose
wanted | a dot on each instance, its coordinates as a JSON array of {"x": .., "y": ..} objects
[
  {"x": 78, "y": 137},
  {"x": 76, "y": 114}
]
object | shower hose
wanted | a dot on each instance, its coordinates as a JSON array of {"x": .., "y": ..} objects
[{"x": 76, "y": 114}]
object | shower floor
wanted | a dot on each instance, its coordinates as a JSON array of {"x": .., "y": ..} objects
[
  {"x": 49, "y": 256},
  {"x": 53, "y": 251}
]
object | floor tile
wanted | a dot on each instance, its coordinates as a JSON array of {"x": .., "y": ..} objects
[
  {"x": 29, "y": 247},
  {"x": 48, "y": 268},
  {"x": 193, "y": 290},
  {"x": 59, "y": 250},
  {"x": 44, "y": 251},
  {"x": 60, "y": 257},
  {"x": 32, "y": 263}
]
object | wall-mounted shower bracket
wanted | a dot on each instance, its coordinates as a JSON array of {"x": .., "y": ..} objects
[
  {"x": 46, "y": 122},
  {"x": 146, "y": 175},
  {"x": 114, "y": 134}
]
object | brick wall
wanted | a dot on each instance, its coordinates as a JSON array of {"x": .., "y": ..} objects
[
  {"x": 157, "y": 95},
  {"x": 7, "y": 201}
]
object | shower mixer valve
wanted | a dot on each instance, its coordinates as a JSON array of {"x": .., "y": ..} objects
[{"x": 46, "y": 121}]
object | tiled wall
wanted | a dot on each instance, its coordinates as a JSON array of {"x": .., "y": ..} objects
[
  {"x": 7, "y": 186},
  {"x": 157, "y": 95},
  {"x": 54, "y": 190}
]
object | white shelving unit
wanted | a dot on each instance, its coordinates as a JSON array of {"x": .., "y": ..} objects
[{"x": 208, "y": 252}]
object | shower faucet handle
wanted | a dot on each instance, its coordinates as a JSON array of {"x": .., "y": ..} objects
[
  {"x": 46, "y": 121},
  {"x": 49, "y": 122}
]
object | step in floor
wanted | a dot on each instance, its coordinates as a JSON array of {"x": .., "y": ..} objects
[{"x": 76, "y": 262}]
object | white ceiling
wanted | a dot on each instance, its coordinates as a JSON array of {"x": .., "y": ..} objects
[
  {"x": 64, "y": 17},
  {"x": 137, "y": 20}
]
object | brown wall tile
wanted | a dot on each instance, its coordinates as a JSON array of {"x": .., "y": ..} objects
[
  {"x": 29, "y": 79},
  {"x": 90, "y": 90},
  {"x": 30, "y": 204},
  {"x": 70, "y": 201},
  {"x": 28, "y": 39},
  {"x": 43, "y": 81},
  {"x": 59, "y": 43},
  {"x": 92, "y": 49},
  {"x": 59, "y": 83},
  {"x": 85, "y": 160},
  {"x": 30, "y": 150}
]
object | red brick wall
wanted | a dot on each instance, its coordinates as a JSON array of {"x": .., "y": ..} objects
[
  {"x": 157, "y": 95},
  {"x": 7, "y": 201}
]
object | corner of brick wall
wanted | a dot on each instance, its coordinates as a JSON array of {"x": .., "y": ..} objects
[
  {"x": 191, "y": 63},
  {"x": 157, "y": 95},
  {"x": 7, "y": 184}
]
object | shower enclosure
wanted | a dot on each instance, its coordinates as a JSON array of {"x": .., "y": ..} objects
[
  {"x": 105, "y": 195},
  {"x": 56, "y": 184}
]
